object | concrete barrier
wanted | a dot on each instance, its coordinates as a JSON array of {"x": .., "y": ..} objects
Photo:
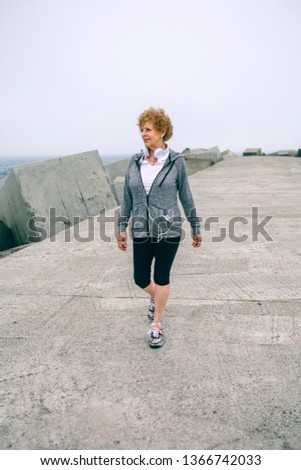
[
  {"x": 6, "y": 237},
  {"x": 13, "y": 213},
  {"x": 118, "y": 185},
  {"x": 212, "y": 153},
  {"x": 284, "y": 153},
  {"x": 116, "y": 169},
  {"x": 195, "y": 164},
  {"x": 251, "y": 151},
  {"x": 198, "y": 159},
  {"x": 75, "y": 186},
  {"x": 229, "y": 154},
  {"x": 115, "y": 172}
]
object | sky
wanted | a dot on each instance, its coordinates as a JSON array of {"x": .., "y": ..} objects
[{"x": 76, "y": 74}]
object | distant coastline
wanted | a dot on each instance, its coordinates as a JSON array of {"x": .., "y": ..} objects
[{"x": 7, "y": 163}]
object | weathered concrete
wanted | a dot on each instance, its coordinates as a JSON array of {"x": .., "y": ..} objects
[
  {"x": 74, "y": 186},
  {"x": 76, "y": 371}
]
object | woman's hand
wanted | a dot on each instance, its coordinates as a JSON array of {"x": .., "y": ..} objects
[
  {"x": 197, "y": 241},
  {"x": 122, "y": 241}
]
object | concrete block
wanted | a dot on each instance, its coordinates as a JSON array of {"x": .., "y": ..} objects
[
  {"x": 115, "y": 172},
  {"x": 13, "y": 212},
  {"x": 6, "y": 237},
  {"x": 252, "y": 151},
  {"x": 74, "y": 186},
  {"x": 285, "y": 153},
  {"x": 199, "y": 158},
  {"x": 194, "y": 164},
  {"x": 228, "y": 154},
  {"x": 116, "y": 169},
  {"x": 118, "y": 185},
  {"x": 213, "y": 153},
  {"x": 195, "y": 151}
]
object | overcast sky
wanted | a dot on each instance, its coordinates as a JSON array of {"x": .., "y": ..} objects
[{"x": 75, "y": 74}]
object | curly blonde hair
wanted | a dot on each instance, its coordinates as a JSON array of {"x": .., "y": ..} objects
[{"x": 159, "y": 119}]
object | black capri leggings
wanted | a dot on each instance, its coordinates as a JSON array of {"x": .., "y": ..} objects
[{"x": 164, "y": 252}]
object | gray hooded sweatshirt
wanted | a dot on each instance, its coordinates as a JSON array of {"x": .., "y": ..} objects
[{"x": 157, "y": 214}]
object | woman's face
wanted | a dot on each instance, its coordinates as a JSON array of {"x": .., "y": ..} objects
[{"x": 152, "y": 138}]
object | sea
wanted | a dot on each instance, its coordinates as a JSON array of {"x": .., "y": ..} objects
[{"x": 7, "y": 163}]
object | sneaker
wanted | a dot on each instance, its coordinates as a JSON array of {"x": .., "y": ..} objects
[
  {"x": 155, "y": 337},
  {"x": 151, "y": 310}
]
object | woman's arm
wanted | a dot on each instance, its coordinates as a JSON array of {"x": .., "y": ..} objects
[
  {"x": 126, "y": 205},
  {"x": 186, "y": 198},
  {"x": 125, "y": 212}
]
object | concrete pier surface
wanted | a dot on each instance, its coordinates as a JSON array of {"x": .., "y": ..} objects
[{"x": 76, "y": 370}]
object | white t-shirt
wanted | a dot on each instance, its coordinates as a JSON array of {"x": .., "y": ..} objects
[{"x": 148, "y": 171}]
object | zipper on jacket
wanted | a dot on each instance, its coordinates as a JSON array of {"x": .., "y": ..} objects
[
  {"x": 167, "y": 173},
  {"x": 147, "y": 195},
  {"x": 139, "y": 171},
  {"x": 170, "y": 163}
]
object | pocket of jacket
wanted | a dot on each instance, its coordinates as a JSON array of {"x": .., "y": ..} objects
[
  {"x": 156, "y": 213},
  {"x": 157, "y": 219},
  {"x": 139, "y": 217}
]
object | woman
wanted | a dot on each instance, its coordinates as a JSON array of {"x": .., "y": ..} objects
[{"x": 154, "y": 178}]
